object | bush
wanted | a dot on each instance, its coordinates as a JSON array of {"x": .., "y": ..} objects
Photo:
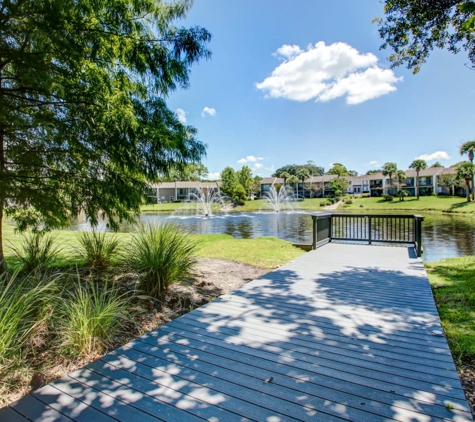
[
  {"x": 162, "y": 255},
  {"x": 97, "y": 249},
  {"x": 37, "y": 251},
  {"x": 388, "y": 197},
  {"x": 348, "y": 201},
  {"x": 365, "y": 195},
  {"x": 24, "y": 307},
  {"x": 89, "y": 316},
  {"x": 324, "y": 203}
]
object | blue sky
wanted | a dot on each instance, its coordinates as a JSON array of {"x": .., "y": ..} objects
[{"x": 292, "y": 81}]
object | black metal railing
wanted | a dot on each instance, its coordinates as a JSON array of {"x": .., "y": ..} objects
[{"x": 380, "y": 228}]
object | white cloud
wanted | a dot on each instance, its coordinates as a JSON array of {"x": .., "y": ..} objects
[
  {"x": 373, "y": 163},
  {"x": 438, "y": 155},
  {"x": 324, "y": 73},
  {"x": 249, "y": 159},
  {"x": 214, "y": 176},
  {"x": 208, "y": 111},
  {"x": 288, "y": 51},
  {"x": 181, "y": 115},
  {"x": 257, "y": 166}
]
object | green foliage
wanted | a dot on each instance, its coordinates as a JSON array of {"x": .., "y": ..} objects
[
  {"x": 436, "y": 165},
  {"x": 83, "y": 123},
  {"x": 24, "y": 306},
  {"x": 97, "y": 250},
  {"x": 466, "y": 172},
  {"x": 186, "y": 172},
  {"x": 388, "y": 197},
  {"x": 400, "y": 177},
  {"x": 256, "y": 185},
  {"x": 401, "y": 194},
  {"x": 229, "y": 181},
  {"x": 348, "y": 201},
  {"x": 370, "y": 172},
  {"x": 292, "y": 169},
  {"x": 338, "y": 169},
  {"x": 244, "y": 177},
  {"x": 412, "y": 29},
  {"x": 89, "y": 316},
  {"x": 389, "y": 169},
  {"x": 448, "y": 181},
  {"x": 240, "y": 195},
  {"x": 339, "y": 186},
  {"x": 418, "y": 165},
  {"x": 37, "y": 251},
  {"x": 161, "y": 254}
]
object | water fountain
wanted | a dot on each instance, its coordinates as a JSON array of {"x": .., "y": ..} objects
[
  {"x": 203, "y": 203},
  {"x": 279, "y": 199}
]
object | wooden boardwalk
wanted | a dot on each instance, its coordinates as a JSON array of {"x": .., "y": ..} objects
[{"x": 346, "y": 332}]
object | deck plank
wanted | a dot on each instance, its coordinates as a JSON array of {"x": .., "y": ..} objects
[{"x": 342, "y": 333}]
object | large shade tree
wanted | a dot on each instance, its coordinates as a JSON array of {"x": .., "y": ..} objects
[
  {"x": 83, "y": 121},
  {"x": 418, "y": 165},
  {"x": 468, "y": 148},
  {"x": 413, "y": 28}
]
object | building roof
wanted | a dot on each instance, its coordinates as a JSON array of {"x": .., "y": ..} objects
[
  {"x": 180, "y": 185},
  {"x": 431, "y": 171}
]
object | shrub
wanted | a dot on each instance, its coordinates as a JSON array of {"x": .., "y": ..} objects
[
  {"x": 98, "y": 249},
  {"x": 365, "y": 195},
  {"x": 348, "y": 201},
  {"x": 323, "y": 203},
  {"x": 388, "y": 197},
  {"x": 23, "y": 307},
  {"x": 162, "y": 254},
  {"x": 37, "y": 251},
  {"x": 89, "y": 316}
]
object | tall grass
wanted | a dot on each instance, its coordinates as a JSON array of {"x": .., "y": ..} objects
[
  {"x": 98, "y": 250},
  {"x": 23, "y": 307},
  {"x": 89, "y": 316},
  {"x": 162, "y": 254},
  {"x": 37, "y": 251}
]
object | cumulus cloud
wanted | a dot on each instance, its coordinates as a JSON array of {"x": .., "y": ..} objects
[
  {"x": 181, "y": 115},
  {"x": 257, "y": 166},
  {"x": 323, "y": 73},
  {"x": 214, "y": 176},
  {"x": 373, "y": 163},
  {"x": 208, "y": 111},
  {"x": 438, "y": 155},
  {"x": 250, "y": 159}
]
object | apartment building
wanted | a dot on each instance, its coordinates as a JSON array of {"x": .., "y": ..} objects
[{"x": 178, "y": 191}]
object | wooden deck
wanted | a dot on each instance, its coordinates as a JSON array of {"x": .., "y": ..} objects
[{"x": 346, "y": 332}]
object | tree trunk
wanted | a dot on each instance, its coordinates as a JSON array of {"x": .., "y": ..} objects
[
  {"x": 417, "y": 185},
  {"x": 467, "y": 182}
]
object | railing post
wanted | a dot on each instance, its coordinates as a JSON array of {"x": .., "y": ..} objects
[
  {"x": 418, "y": 234},
  {"x": 314, "y": 241},
  {"x": 330, "y": 228},
  {"x": 369, "y": 229}
]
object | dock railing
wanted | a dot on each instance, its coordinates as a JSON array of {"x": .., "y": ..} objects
[{"x": 379, "y": 228}]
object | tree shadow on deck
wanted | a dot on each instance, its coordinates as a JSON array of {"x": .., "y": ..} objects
[{"x": 295, "y": 344}]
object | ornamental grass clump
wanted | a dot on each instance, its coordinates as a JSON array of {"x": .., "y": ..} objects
[
  {"x": 37, "y": 251},
  {"x": 25, "y": 304},
  {"x": 162, "y": 254},
  {"x": 89, "y": 316},
  {"x": 98, "y": 250}
]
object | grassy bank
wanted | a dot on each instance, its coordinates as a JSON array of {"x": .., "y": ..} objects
[
  {"x": 448, "y": 204},
  {"x": 453, "y": 285},
  {"x": 263, "y": 252}
]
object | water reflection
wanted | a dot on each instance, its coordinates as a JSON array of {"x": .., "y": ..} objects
[{"x": 444, "y": 235}]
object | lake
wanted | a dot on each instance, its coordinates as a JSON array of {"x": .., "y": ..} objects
[{"x": 443, "y": 235}]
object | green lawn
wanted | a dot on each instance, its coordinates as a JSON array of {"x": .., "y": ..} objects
[
  {"x": 453, "y": 204},
  {"x": 453, "y": 285},
  {"x": 264, "y": 252}
]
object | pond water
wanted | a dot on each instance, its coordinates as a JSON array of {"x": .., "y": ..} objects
[{"x": 443, "y": 235}]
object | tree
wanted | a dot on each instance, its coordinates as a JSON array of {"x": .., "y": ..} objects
[
  {"x": 448, "y": 181},
  {"x": 229, "y": 182},
  {"x": 292, "y": 169},
  {"x": 293, "y": 180},
  {"x": 245, "y": 179},
  {"x": 412, "y": 28},
  {"x": 436, "y": 164},
  {"x": 352, "y": 173},
  {"x": 339, "y": 186},
  {"x": 256, "y": 185},
  {"x": 284, "y": 175},
  {"x": 338, "y": 169},
  {"x": 188, "y": 172},
  {"x": 418, "y": 165},
  {"x": 469, "y": 149},
  {"x": 83, "y": 123},
  {"x": 388, "y": 170},
  {"x": 303, "y": 174},
  {"x": 370, "y": 172},
  {"x": 465, "y": 172},
  {"x": 400, "y": 177}
]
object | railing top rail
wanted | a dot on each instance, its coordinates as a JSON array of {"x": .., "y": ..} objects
[{"x": 326, "y": 215}]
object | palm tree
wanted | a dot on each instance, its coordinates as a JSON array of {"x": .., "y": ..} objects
[
  {"x": 388, "y": 170},
  {"x": 303, "y": 175},
  {"x": 469, "y": 149},
  {"x": 466, "y": 171},
  {"x": 418, "y": 165},
  {"x": 284, "y": 175},
  {"x": 293, "y": 180}
]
